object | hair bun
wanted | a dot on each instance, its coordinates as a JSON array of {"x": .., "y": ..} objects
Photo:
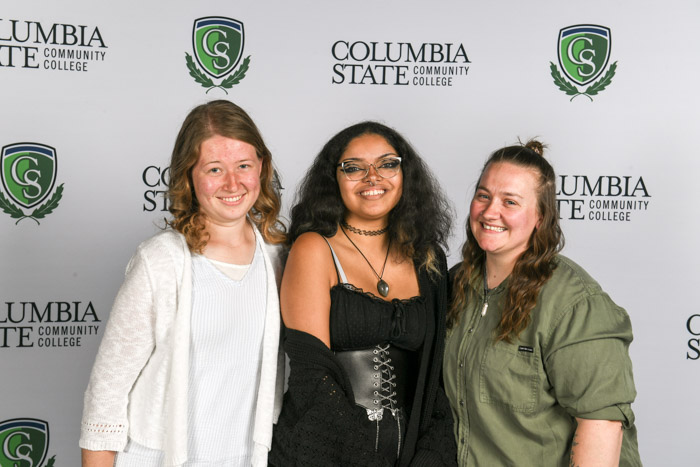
[{"x": 536, "y": 146}]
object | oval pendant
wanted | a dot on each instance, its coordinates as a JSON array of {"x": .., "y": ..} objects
[{"x": 383, "y": 288}]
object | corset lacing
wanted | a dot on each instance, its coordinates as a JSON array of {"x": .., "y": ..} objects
[
  {"x": 384, "y": 376},
  {"x": 384, "y": 393}
]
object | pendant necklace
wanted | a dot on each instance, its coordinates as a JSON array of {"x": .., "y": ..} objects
[
  {"x": 382, "y": 286},
  {"x": 486, "y": 292}
]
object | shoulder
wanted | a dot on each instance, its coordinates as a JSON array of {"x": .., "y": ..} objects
[
  {"x": 165, "y": 250},
  {"x": 576, "y": 309},
  {"x": 276, "y": 250},
  {"x": 277, "y": 254},
  {"x": 308, "y": 277},
  {"x": 571, "y": 288},
  {"x": 469, "y": 284},
  {"x": 310, "y": 260},
  {"x": 311, "y": 246},
  {"x": 167, "y": 240},
  {"x": 453, "y": 271},
  {"x": 441, "y": 257},
  {"x": 570, "y": 276},
  {"x": 437, "y": 270}
]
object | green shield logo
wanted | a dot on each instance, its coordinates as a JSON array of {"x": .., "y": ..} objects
[
  {"x": 28, "y": 172},
  {"x": 583, "y": 51},
  {"x": 24, "y": 442},
  {"x": 217, "y": 44}
]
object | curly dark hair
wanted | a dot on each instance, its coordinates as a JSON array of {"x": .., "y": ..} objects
[
  {"x": 535, "y": 265},
  {"x": 418, "y": 224},
  {"x": 219, "y": 117}
]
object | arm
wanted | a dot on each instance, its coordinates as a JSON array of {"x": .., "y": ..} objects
[
  {"x": 319, "y": 425},
  {"x": 437, "y": 446},
  {"x": 126, "y": 345},
  {"x": 97, "y": 458},
  {"x": 591, "y": 372},
  {"x": 596, "y": 443},
  {"x": 304, "y": 296}
]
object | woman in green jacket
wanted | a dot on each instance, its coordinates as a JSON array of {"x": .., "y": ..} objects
[{"x": 536, "y": 368}]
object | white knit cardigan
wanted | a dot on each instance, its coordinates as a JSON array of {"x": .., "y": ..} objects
[{"x": 138, "y": 386}]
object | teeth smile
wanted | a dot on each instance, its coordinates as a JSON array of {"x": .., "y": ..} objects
[
  {"x": 372, "y": 192},
  {"x": 493, "y": 228},
  {"x": 232, "y": 199}
]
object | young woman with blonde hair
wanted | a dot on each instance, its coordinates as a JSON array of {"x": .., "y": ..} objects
[{"x": 189, "y": 371}]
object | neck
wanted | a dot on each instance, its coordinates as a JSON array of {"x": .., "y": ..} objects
[
  {"x": 497, "y": 269},
  {"x": 230, "y": 243},
  {"x": 369, "y": 242},
  {"x": 230, "y": 234},
  {"x": 366, "y": 224},
  {"x": 369, "y": 233}
]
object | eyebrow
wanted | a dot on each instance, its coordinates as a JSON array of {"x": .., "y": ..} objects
[
  {"x": 237, "y": 162},
  {"x": 507, "y": 193},
  {"x": 376, "y": 158}
]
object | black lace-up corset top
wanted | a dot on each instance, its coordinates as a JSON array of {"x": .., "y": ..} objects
[{"x": 359, "y": 320}]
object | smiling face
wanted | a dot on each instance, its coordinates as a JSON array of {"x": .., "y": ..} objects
[
  {"x": 226, "y": 180},
  {"x": 504, "y": 213},
  {"x": 373, "y": 197}
]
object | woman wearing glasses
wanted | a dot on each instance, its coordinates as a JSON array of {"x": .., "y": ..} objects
[{"x": 363, "y": 300}]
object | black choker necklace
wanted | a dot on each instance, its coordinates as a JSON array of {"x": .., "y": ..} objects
[
  {"x": 371, "y": 233},
  {"x": 382, "y": 286}
]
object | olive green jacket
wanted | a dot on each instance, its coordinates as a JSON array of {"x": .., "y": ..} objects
[{"x": 516, "y": 403}]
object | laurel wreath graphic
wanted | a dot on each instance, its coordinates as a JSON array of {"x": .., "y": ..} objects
[
  {"x": 39, "y": 213},
  {"x": 51, "y": 462},
  {"x": 573, "y": 91},
  {"x": 206, "y": 82},
  {"x": 10, "y": 208}
]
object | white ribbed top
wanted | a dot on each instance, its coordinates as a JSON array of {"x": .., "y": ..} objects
[{"x": 227, "y": 325}]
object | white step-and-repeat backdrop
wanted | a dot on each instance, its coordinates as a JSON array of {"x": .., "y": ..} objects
[{"x": 92, "y": 94}]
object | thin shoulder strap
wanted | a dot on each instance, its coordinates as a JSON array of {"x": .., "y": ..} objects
[{"x": 338, "y": 267}]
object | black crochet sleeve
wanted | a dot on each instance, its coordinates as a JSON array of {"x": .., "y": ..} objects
[
  {"x": 319, "y": 424},
  {"x": 436, "y": 444},
  {"x": 437, "y": 447}
]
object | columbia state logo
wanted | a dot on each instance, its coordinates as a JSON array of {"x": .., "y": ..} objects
[
  {"x": 217, "y": 45},
  {"x": 583, "y": 51},
  {"x": 28, "y": 172},
  {"x": 24, "y": 442}
]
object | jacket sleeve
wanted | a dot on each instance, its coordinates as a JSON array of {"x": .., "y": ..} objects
[
  {"x": 319, "y": 424},
  {"x": 125, "y": 348},
  {"x": 588, "y": 361},
  {"x": 436, "y": 447}
]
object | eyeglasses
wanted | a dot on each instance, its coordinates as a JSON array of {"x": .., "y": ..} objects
[{"x": 386, "y": 167}]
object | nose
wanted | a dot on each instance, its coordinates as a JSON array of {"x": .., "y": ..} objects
[
  {"x": 491, "y": 210},
  {"x": 372, "y": 174},
  {"x": 231, "y": 181}
]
